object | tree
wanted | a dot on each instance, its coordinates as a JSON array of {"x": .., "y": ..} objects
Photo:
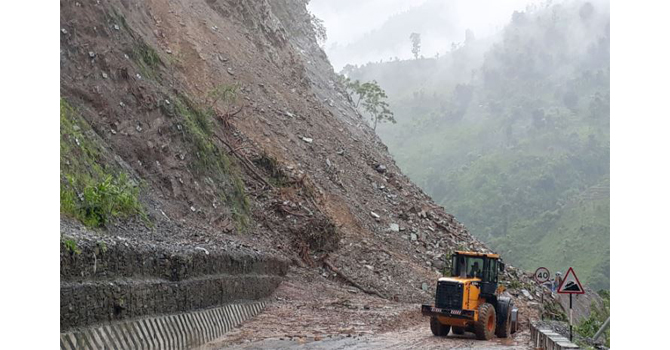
[
  {"x": 373, "y": 98},
  {"x": 415, "y": 38},
  {"x": 374, "y": 102},
  {"x": 469, "y": 37},
  {"x": 319, "y": 29}
]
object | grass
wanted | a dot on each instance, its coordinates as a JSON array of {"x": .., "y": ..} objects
[
  {"x": 71, "y": 246},
  {"x": 147, "y": 59},
  {"x": 210, "y": 160},
  {"x": 224, "y": 93},
  {"x": 90, "y": 191}
]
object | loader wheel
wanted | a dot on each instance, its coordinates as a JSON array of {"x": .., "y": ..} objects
[
  {"x": 438, "y": 329},
  {"x": 505, "y": 328},
  {"x": 485, "y": 326},
  {"x": 458, "y": 330}
]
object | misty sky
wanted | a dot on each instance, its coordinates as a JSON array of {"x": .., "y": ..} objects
[{"x": 348, "y": 21}]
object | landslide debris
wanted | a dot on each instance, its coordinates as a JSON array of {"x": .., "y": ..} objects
[{"x": 229, "y": 117}]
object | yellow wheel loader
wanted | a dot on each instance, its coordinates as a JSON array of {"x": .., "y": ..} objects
[{"x": 471, "y": 300}]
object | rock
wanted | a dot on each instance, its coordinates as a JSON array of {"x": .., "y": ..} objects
[
  {"x": 438, "y": 263},
  {"x": 230, "y": 71},
  {"x": 307, "y": 139},
  {"x": 381, "y": 168},
  {"x": 374, "y": 215},
  {"x": 203, "y": 249},
  {"x": 394, "y": 227},
  {"x": 526, "y": 294}
]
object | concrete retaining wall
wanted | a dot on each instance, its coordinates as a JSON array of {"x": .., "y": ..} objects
[
  {"x": 177, "y": 331},
  {"x": 547, "y": 339}
]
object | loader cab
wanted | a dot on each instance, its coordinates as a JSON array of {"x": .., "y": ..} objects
[{"x": 484, "y": 267}]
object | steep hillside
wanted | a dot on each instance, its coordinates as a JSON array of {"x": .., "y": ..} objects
[
  {"x": 512, "y": 135},
  {"x": 192, "y": 130}
]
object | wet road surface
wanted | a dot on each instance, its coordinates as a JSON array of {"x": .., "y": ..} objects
[{"x": 416, "y": 337}]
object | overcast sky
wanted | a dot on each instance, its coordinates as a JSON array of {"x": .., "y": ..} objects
[{"x": 347, "y": 21}]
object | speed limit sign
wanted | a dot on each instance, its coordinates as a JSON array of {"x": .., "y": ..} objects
[{"x": 542, "y": 275}]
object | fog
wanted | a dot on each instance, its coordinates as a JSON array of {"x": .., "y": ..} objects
[
  {"x": 508, "y": 130},
  {"x": 373, "y": 30}
]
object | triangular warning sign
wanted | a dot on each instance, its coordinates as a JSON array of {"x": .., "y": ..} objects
[{"x": 571, "y": 284}]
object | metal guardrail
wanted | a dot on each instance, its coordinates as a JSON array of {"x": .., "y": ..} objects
[
  {"x": 601, "y": 330},
  {"x": 547, "y": 339}
]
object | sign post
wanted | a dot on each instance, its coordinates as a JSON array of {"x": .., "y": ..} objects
[
  {"x": 542, "y": 275},
  {"x": 571, "y": 285}
]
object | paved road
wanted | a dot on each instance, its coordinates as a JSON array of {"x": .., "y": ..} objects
[{"x": 417, "y": 337}]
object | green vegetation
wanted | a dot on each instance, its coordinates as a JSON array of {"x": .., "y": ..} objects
[
  {"x": 224, "y": 93},
  {"x": 147, "y": 59},
  {"x": 513, "y": 136},
  {"x": 373, "y": 98},
  {"x": 210, "y": 161},
  {"x": 91, "y": 191},
  {"x": 589, "y": 327},
  {"x": 102, "y": 247},
  {"x": 71, "y": 246}
]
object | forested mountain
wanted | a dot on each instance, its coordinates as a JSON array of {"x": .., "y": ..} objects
[{"x": 511, "y": 134}]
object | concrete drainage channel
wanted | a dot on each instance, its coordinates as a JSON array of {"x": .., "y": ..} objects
[
  {"x": 175, "y": 332},
  {"x": 121, "y": 293}
]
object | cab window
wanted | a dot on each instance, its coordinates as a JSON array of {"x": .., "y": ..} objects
[
  {"x": 475, "y": 267},
  {"x": 492, "y": 275}
]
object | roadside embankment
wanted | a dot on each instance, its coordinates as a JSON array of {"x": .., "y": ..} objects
[{"x": 106, "y": 279}]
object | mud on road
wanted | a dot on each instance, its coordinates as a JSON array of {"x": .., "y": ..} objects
[
  {"x": 312, "y": 312},
  {"x": 416, "y": 337}
]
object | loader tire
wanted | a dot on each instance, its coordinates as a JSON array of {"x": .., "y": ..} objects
[
  {"x": 458, "y": 330},
  {"x": 438, "y": 329},
  {"x": 485, "y": 326},
  {"x": 505, "y": 328}
]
